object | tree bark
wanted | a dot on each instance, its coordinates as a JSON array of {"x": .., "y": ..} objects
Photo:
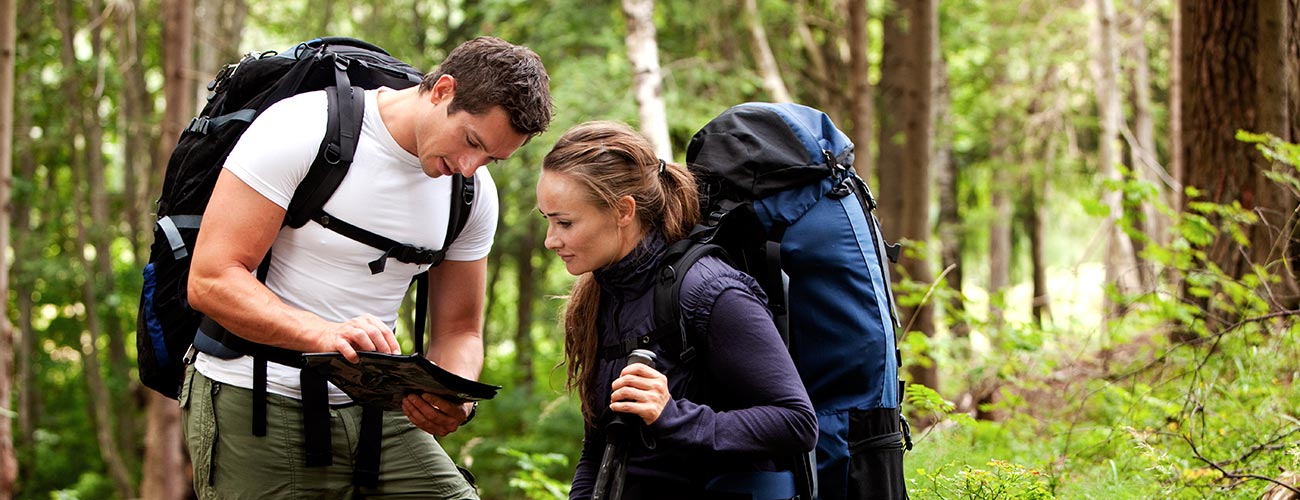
[
  {"x": 79, "y": 123},
  {"x": 1275, "y": 86},
  {"x": 1120, "y": 260},
  {"x": 178, "y": 79},
  {"x": 1230, "y": 56},
  {"x": 526, "y": 282},
  {"x": 1145, "y": 162},
  {"x": 1177, "y": 162},
  {"x": 822, "y": 83},
  {"x": 763, "y": 58},
  {"x": 166, "y": 472},
  {"x": 23, "y": 283},
  {"x": 101, "y": 234},
  {"x": 217, "y": 40},
  {"x": 647, "y": 82},
  {"x": 860, "y": 96},
  {"x": 8, "y": 57},
  {"x": 950, "y": 226},
  {"x": 1035, "y": 215},
  {"x": 164, "y": 452},
  {"x": 136, "y": 119},
  {"x": 1003, "y": 183},
  {"x": 904, "y": 145}
]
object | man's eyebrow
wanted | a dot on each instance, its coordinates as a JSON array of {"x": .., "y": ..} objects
[{"x": 482, "y": 145}]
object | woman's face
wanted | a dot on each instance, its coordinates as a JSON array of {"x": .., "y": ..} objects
[{"x": 586, "y": 236}]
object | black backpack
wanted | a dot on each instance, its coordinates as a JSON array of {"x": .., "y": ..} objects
[
  {"x": 781, "y": 201},
  {"x": 239, "y": 93}
]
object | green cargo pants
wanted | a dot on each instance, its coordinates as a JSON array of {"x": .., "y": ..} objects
[{"x": 231, "y": 463}]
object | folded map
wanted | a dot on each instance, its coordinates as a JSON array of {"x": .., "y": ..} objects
[{"x": 383, "y": 380}]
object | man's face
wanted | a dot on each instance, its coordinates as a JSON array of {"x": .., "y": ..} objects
[{"x": 461, "y": 142}]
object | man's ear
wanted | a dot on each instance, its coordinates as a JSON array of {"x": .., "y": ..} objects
[
  {"x": 625, "y": 209},
  {"x": 443, "y": 89}
]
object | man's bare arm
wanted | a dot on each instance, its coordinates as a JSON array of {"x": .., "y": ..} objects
[{"x": 238, "y": 228}]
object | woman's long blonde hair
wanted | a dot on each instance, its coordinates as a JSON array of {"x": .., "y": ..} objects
[{"x": 612, "y": 160}]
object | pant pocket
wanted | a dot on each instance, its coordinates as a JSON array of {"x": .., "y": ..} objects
[
  {"x": 876, "y": 455},
  {"x": 199, "y": 423},
  {"x": 186, "y": 382}
]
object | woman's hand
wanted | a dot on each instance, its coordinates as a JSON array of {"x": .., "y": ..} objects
[{"x": 641, "y": 391}]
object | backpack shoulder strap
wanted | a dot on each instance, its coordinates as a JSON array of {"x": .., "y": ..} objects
[
  {"x": 346, "y": 110},
  {"x": 669, "y": 323},
  {"x": 462, "y": 200}
]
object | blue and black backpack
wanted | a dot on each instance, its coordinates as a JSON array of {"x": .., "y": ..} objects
[{"x": 781, "y": 201}]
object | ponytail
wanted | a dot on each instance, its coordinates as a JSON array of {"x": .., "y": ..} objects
[{"x": 612, "y": 161}]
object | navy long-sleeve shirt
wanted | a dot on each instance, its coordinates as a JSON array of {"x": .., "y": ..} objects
[{"x": 738, "y": 406}]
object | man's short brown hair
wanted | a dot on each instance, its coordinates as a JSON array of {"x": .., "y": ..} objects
[{"x": 491, "y": 72}]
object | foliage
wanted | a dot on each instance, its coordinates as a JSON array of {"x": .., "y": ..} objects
[
  {"x": 532, "y": 478},
  {"x": 1190, "y": 394},
  {"x": 1002, "y": 480}
]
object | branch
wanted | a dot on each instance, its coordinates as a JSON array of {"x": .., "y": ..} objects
[
  {"x": 1230, "y": 475},
  {"x": 934, "y": 284}
]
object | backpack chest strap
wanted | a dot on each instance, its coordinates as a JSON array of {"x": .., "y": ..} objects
[{"x": 403, "y": 252}]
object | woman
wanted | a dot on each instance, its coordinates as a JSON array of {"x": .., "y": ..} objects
[{"x": 612, "y": 208}]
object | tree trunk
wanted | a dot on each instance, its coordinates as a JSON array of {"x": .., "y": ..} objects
[
  {"x": 860, "y": 87},
  {"x": 23, "y": 283},
  {"x": 495, "y": 263},
  {"x": 178, "y": 79},
  {"x": 136, "y": 120},
  {"x": 1230, "y": 56},
  {"x": 1120, "y": 260},
  {"x": 1177, "y": 162},
  {"x": 527, "y": 284},
  {"x": 763, "y": 58},
  {"x": 1275, "y": 87},
  {"x": 100, "y": 401},
  {"x": 1035, "y": 215},
  {"x": 8, "y": 53},
  {"x": 1145, "y": 162},
  {"x": 822, "y": 83},
  {"x": 101, "y": 234},
  {"x": 168, "y": 468},
  {"x": 904, "y": 146},
  {"x": 166, "y": 472},
  {"x": 1004, "y": 183},
  {"x": 647, "y": 82},
  {"x": 217, "y": 42},
  {"x": 950, "y": 226},
  {"x": 79, "y": 124}
]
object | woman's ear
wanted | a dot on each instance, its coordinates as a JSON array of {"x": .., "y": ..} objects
[{"x": 625, "y": 210}]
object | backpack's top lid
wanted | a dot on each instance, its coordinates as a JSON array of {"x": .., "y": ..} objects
[{"x": 762, "y": 148}]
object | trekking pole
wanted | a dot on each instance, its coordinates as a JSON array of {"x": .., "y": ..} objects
[{"x": 613, "y": 463}]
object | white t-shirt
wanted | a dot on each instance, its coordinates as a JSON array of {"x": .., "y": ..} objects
[{"x": 385, "y": 192}]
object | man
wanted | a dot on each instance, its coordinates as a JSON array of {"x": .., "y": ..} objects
[{"x": 485, "y": 101}]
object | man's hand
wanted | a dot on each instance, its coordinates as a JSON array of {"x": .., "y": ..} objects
[
  {"x": 362, "y": 333},
  {"x": 434, "y": 414}
]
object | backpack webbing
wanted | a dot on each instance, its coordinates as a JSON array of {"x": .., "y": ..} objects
[{"x": 332, "y": 162}]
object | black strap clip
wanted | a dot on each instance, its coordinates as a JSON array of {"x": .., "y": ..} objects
[{"x": 408, "y": 254}]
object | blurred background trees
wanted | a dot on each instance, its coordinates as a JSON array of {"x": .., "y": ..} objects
[{"x": 1097, "y": 200}]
